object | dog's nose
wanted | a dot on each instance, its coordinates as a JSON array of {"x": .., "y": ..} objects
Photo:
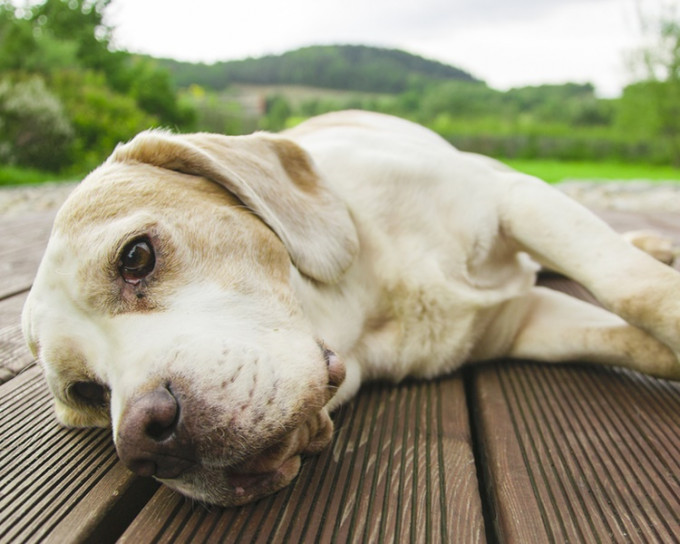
[{"x": 151, "y": 440}]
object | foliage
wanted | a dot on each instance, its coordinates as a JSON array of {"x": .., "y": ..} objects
[
  {"x": 278, "y": 111},
  {"x": 351, "y": 67},
  {"x": 34, "y": 129},
  {"x": 63, "y": 89},
  {"x": 565, "y": 122},
  {"x": 655, "y": 101},
  {"x": 219, "y": 113},
  {"x": 102, "y": 96},
  {"x": 101, "y": 117}
]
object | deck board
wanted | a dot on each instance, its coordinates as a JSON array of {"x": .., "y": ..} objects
[
  {"x": 56, "y": 481},
  {"x": 579, "y": 453},
  {"x": 569, "y": 453},
  {"x": 14, "y": 355},
  {"x": 21, "y": 247},
  {"x": 576, "y": 454}
]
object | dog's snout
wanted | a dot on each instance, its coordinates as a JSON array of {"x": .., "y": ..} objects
[{"x": 151, "y": 441}]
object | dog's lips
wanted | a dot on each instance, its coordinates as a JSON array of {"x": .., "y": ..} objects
[
  {"x": 247, "y": 487},
  {"x": 262, "y": 473}
]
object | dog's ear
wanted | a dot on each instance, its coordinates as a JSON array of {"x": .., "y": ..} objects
[{"x": 275, "y": 178}]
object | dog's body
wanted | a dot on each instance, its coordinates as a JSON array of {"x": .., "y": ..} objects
[{"x": 199, "y": 322}]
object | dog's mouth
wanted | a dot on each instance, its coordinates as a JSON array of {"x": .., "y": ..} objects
[
  {"x": 228, "y": 455},
  {"x": 262, "y": 474},
  {"x": 248, "y": 487}
]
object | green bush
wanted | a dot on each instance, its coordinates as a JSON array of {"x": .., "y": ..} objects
[
  {"x": 219, "y": 113},
  {"x": 71, "y": 99},
  {"x": 101, "y": 117},
  {"x": 34, "y": 128}
]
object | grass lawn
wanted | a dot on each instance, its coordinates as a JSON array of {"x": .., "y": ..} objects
[
  {"x": 10, "y": 175},
  {"x": 554, "y": 171},
  {"x": 548, "y": 170}
]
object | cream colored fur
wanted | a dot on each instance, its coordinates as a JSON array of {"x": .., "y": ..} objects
[{"x": 357, "y": 232}]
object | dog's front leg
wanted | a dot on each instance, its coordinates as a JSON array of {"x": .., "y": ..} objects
[{"x": 564, "y": 236}]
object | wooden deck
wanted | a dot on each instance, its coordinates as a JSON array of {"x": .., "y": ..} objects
[{"x": 507, "y": 452}]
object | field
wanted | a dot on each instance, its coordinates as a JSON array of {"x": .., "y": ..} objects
[
  {"x": 556, "y": 171},
  {"x": 547, "y": 170},
  {"x": 10, "y": 175}
]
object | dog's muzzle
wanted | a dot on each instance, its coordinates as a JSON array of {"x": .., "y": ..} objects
[{"x": 155, "y": 439}]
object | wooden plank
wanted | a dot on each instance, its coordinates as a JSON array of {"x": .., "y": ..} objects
[
  {"x": 10, "y": 309},
  {"x": 400, "y": 469},
  {"x": 14, "y": 355},
  {"x": 27, "y": 229},
  {"x": 21, "y": 248},
  {"x": 61, "y": 484},
  {"x": 579, "y": 453}
]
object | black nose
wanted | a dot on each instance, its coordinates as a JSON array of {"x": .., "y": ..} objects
[{"x": 151, "y": 440}]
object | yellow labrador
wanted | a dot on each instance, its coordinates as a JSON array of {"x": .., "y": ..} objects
[{"x": 212, "y": 298}]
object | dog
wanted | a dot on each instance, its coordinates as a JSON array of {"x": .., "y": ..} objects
[{"x": 213, "y": 298}]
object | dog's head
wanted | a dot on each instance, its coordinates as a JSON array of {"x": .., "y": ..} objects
[{"x": 164, "y": 308}]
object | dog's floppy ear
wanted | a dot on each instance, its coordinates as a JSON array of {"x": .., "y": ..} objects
[{"x": 275, "y": 178}]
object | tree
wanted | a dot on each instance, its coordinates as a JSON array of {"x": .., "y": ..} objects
[
  {"x": 100, "y": 116},
  {"x": 659, "y": 61},
  {"x": 80, "y": 22},
  {"x": 102, "y": 96},
  {"x": 278, "y": 111},
  {"x": 34, "y": 129},
  {"x": 154, "y": 90}
]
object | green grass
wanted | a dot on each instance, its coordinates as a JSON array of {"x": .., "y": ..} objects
[
  {"x": 12, "y": 175},
  {"x": 548, "y": 170},
  {"x": 554, "y": 171}
]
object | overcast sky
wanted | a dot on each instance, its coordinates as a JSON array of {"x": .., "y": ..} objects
[{"x": 507, "y": 43}]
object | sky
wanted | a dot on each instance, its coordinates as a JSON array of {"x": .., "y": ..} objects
[{"x": 507, "y": 43}]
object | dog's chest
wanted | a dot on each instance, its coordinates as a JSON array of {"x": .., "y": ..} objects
[
  {"x": 403, "y": 327},
  {"x": 416, "y": 320},
  {"x": 420, "y": 330}
]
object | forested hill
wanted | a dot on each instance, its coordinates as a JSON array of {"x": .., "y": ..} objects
[{"x": 345, "y": 67}]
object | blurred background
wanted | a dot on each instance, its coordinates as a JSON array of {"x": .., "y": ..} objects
[{"x": 557, "y": 88}]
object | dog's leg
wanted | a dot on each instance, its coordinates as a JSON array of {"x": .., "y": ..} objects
[
  {"x": 659, "y": 246},
  {"x": 566, "y": 237},
  {"x": 556, "y": 327},
  {"x": 655, "y": 244}
]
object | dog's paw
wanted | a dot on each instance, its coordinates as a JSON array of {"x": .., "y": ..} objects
[{"x": 653, "y": 243}]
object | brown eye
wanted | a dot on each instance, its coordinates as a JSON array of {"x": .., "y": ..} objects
[
  {"x": 137, "y": 260},
  {"x": 90, "y": 393}
]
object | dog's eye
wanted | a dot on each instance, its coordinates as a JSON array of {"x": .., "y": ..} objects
[
  {"x": 137, "y": 260},
  {"x": 90, "y": 393}
]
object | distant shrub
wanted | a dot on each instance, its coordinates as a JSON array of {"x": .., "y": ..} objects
[
  {"x": 101, "y": 117},
  {"x": 34, "y": 129}
]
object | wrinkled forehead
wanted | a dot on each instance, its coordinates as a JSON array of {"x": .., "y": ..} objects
[
  {"x": 112, "y": 206},
  {"x": 189, "y": 219},
  {"x": 116, "y": 190},
  {"x": 121, "y": 201}
]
